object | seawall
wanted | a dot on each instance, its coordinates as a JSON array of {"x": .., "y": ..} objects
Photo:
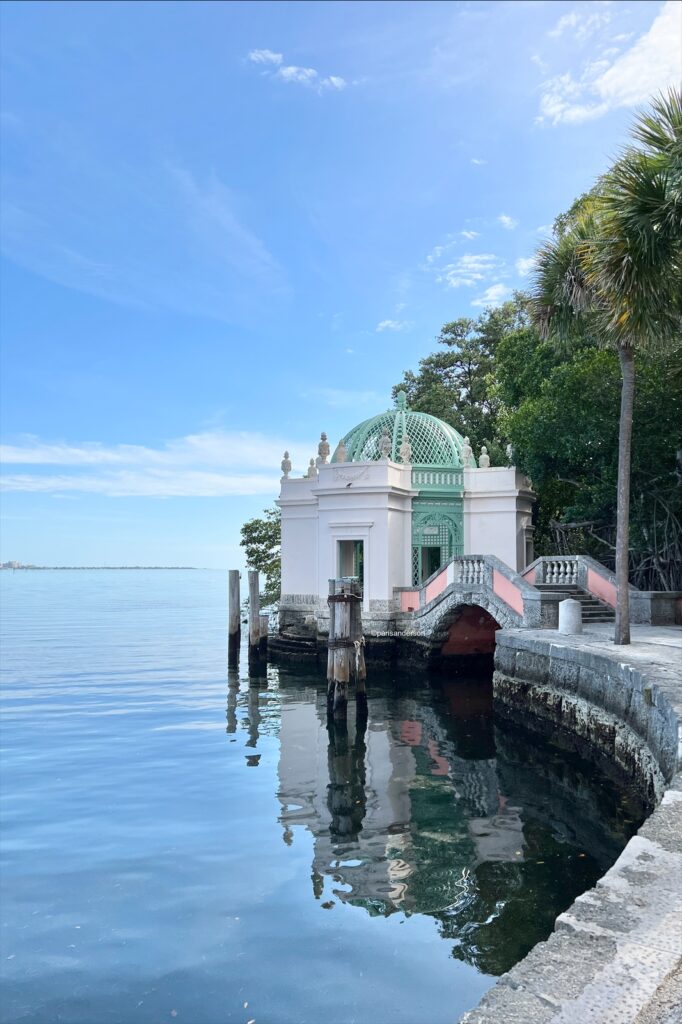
[{"x": 615, "y": 955}]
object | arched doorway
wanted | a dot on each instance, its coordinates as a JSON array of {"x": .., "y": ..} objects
[{"x": 472, "y": 632}]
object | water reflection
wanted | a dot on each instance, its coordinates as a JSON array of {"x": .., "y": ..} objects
[{"x": 433, "y": 807}]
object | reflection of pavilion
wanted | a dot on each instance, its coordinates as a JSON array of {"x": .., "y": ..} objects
[{"x": 395, "y": 813}]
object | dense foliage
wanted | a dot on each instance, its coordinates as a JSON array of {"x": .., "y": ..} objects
[
  {"x": 614, "y": 269},
  {"x": 456, "y": 384},
  {"x": 559, "y": 408},
  {"x": 261, "y": 539}
]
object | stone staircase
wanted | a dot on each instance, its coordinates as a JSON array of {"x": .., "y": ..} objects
[
  {"x": 293, "y": 644},
  {"x": 593, "y": 609}
]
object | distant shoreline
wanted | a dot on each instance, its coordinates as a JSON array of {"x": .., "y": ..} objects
[{"x": 90, "y": 568}]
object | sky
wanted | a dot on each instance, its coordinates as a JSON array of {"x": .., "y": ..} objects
[{"x": 227, "y": 227}]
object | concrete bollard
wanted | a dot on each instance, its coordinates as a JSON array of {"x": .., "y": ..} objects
[{"x": 570, "y": 616}]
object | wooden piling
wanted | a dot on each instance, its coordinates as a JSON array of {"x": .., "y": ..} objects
[
  {"x": 359, "y": 667},
  {"x": 254, "y": 615},
  {"x": 234, "y": 619},
  {"x": 264, "y": 620},
  {"x": 345, "y": 659},
  {"x": 330, "y": 648}
]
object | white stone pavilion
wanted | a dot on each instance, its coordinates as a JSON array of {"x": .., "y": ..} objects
[{"x": 401, "y": 495}]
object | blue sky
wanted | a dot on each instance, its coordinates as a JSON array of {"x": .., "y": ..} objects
[{"x": 227, "y": 227}]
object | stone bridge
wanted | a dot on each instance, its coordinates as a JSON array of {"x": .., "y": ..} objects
[{"x": 460, "y": 607}]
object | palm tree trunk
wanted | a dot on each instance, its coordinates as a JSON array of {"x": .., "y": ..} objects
[{"x": 627, "y": 396}]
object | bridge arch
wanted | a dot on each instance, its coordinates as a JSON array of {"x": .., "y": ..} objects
[
  {"x": 472, "y": 631},
  {"x": 468, "y": 626},
  {"x": 452, "y": 611}
]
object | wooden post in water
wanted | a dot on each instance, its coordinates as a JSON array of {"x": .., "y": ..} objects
[
  {"x": 234, "y": 619},
  {"x": 264, "y": 620},
  {"x": 359, "y": 667},
  {"x": 345, "y": 657},
  {"x": 254, "y": 615},
  {"x": 330, "y": 648}
]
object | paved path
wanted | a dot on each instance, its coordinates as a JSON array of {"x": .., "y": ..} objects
[{"x": 615, "y": 956}]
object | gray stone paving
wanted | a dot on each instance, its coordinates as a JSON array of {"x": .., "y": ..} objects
[{"x": 615, "y": 956}]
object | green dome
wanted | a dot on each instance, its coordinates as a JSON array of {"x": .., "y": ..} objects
[{"x": 434, "y": 442}]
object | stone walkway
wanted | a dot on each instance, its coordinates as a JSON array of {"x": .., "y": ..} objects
[{"x": 615, "y": 956}]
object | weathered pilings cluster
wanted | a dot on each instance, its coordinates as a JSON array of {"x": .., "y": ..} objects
[
  {"x": 258, "y": 624},
  {"x": 346, "y": 648}
]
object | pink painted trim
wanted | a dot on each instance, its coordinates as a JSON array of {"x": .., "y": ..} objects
[
  {"x": 601, "y": 588},
  {"x": 409, "y": 600},
  {"x": 508, "y": 591},
  {"x": 436, "y": 586},
  {"x": 529, "y": 576}
]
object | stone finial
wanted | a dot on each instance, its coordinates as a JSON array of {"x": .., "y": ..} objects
[
  {"x": 484, "y": 458},
  {"x": 286, "y": 466},
  {"x": 385, "y": 445},
  {"x": 312, "y": 470},
  {"x": 323, "y": 450},
  {"x": 467, "y": 452},
  {"x": 341, "y": 455},
  {"x": 406, "y": 451}
]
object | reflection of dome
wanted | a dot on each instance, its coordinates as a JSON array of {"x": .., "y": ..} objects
[{"x": 434, "y": 442}]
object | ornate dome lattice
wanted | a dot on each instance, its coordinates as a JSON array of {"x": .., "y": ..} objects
[{"x": 434, "y": 442}]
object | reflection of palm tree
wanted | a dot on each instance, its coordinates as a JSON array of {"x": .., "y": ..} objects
[{"x": 346, "y": 796}]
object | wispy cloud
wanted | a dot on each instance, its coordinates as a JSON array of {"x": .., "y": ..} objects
[
  {"x": 151, "y": 484},
  {"x": 581, "y": 24},
  {"x": 470, "y": 235},
  {"x": 478, "y": 161},
  {"x": 209, "y": 464},
  {"x": 265, "y": 57},
  {"x": 437, "y": 252},
  {"x": 470, "y": 269},
  {"x": 493, "y": 295},
  {"x": 273, "y": 64},
  {"x": 524, "y": 265},
  {"x": 507, "y": 222},
  {"x": 154, "y": 237},
  {"x": 652, "y": 64},
  {"x": 393, "y": 325}
]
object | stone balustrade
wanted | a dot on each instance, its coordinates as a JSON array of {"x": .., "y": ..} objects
[
  {"x": 470, "y": 571},
  {"x": 562, "y": 571}
]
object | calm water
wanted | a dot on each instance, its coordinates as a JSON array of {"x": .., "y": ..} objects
[{"x": 179, "y": 850}]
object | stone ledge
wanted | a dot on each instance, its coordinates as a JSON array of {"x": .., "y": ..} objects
[{"x": 615, "y": 954}]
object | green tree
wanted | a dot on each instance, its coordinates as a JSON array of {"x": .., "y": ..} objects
[
  {"x": 613, "y": 272},
  {"x": 261, "y": 539},
  {"x": 563, "y": 425},
  {"x": 456, "y": 385}
]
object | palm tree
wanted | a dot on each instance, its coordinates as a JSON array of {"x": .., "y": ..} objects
[{"x": 614, "y": 269}]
